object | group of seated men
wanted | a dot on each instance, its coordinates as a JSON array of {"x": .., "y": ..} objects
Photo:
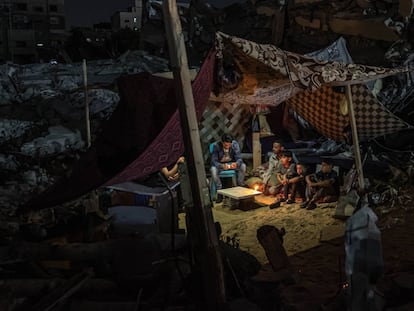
[
  {"x": 290, "y": 175},
  {"x": 284, "y": 173}
]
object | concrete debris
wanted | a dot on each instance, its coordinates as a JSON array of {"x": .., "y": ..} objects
[
  {"x": 102, "y": 103},
  {"x": 20, "y": 83},
  {"x": 38, "y": 99},
  {"x": 34, "y": 178},
  {"x": 13, "y": 128},
  {"x": 8, "y": 162},
  {"x": 59, "y": 140}
]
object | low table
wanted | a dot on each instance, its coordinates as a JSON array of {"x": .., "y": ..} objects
[{"x": 239, "y": 197}]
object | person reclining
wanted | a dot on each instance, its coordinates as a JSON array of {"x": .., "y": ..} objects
[{"x": 323, "y": 186}]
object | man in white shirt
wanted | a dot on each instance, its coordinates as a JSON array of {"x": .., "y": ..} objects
[{"x": 270, "y": 181}]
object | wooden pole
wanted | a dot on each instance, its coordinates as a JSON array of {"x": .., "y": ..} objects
[
  {"x": 202, "y": 231},
  {"x": 257, "y": 150},
  {"x": 85, "y": 91},
  {"x": 355, "y": 141}
]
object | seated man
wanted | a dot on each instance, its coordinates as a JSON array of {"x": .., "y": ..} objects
[
  {"x": 172, "y": 172},
  {"x": 285, "y": 172},
  {"x": 226, "y": 156},
  {"x": 298, "y": 183},
  {"x": 270, "y": 181},
  {"x": 323, "y": 186},
  {"x": 178, "y": 172}
]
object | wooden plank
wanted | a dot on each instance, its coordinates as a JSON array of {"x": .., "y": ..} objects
[
  {"x": 85, "y": 92},
  {"x": 270, "y": 240},
  {"x": 169, "y": 74},
  {"x": 201, "y": 227},
  {"x": 257, "y": 150}
]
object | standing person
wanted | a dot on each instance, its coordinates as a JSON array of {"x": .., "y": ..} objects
[
  {"x": 227, "y": 156},
  {"x": 286, "y": 171},
  {"x": 270, "y": 181},
  {"x": 323, "y": 186}
]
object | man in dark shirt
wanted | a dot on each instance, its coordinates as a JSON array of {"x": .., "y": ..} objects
[
  {"x": 298, "y": 183},
  {"x": 323, "y": 186},
  {"x": 285, "y": 172},
  {"x": 227, "y": 156}
]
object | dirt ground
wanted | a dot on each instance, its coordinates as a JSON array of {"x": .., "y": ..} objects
[
  {"x": 314, "y": 241},
  {"x": 303, "y": 227}
]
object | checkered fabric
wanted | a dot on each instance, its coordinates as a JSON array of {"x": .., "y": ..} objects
[
  {"x": 373, "y": 118},
  {"x": 220, "y": 118},
  {"x": 321, "y": 109}
]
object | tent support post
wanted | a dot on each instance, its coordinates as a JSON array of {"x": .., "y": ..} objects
[
  {"x": 355, "y": 141},
  {"x": 200, "y": 223},
  {"x": 257, "y": 150},
  {"x": 85, "y": 92}
]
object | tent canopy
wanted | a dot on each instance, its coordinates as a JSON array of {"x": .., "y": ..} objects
[{"x": 262, "y": 74}]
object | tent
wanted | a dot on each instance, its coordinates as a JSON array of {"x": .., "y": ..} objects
[
  {"x": 144, "y": 133},
  {"x": 267, "y": 75}
]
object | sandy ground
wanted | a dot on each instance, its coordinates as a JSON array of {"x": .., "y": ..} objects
[
  {"x": 319, "y": 263},
  {"x": 303, "y": 227}
]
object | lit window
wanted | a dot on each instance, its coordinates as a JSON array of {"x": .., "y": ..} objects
[{"x": 135, "y": 19}]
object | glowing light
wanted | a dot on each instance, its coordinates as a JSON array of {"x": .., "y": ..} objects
[{"x": 256, "y": 187}]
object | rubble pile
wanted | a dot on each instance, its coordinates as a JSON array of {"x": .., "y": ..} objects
[{"x": 42, "y": 117}]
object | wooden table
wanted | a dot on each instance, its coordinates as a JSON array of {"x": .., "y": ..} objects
[{"x": 239, "y": 197}]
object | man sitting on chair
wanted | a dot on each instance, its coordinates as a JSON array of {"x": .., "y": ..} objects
[{"x": 226, "y": 156}]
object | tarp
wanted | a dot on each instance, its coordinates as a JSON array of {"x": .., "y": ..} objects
[
  {"x": 142, "y": 136},
  {"x": 267, "y": 75}
]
